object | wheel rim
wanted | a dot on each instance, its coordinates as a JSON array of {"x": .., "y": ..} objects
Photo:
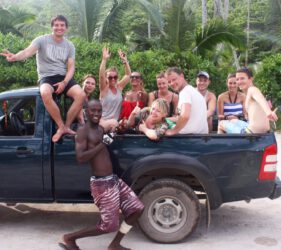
[{"x": 167, "y": 214}]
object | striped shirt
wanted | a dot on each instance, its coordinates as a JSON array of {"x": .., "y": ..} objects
[{"x": 232, "y": 109}]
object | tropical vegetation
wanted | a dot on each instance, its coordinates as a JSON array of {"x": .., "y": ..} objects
[{"x": 215, "y": 35}]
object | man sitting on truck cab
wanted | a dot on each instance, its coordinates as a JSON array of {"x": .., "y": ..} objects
[
  {"x": 192, "y": 109},
  {"x": 55, "y": 57},
  {"x": 259, "y": 112}
]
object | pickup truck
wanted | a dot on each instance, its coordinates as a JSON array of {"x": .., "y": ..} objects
[{"x": 170, "y": 176}]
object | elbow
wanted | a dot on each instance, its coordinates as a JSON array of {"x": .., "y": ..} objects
[{"x": 153, "y": 137}]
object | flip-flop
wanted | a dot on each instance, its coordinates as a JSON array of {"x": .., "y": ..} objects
[{"x": 65, "y": 247}]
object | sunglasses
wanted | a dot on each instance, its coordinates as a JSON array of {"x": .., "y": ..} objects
[
  {"x": 135, "y": 77},
  {"x": 112, "y": 77}
]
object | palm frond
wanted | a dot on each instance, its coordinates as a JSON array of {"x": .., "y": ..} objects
[
  {"x": 179, "y": 21},
  {"x": 216, "y": 32},
  {"x": 154, "y": 13},
  {"x": 108, "y": 11}
]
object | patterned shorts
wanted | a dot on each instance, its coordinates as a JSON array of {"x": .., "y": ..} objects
[
  {"x": 235, "y": 127},
  {"x": 111, "y": 194}
]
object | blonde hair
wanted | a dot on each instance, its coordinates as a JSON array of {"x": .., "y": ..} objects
[
  {"x": 111, "y": 69},
  {"x": 163, "y": 105}
]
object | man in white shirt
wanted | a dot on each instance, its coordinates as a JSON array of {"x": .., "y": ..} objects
[{"x": 192, "y": 109}]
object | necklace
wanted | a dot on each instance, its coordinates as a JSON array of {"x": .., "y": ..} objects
[{"x": 235, "y": 98}]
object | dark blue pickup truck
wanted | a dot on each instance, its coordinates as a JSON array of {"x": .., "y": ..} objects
[{"x": 170, "y": 175}]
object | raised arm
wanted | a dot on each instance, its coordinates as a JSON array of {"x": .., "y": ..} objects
[
  {"x": 102, "y": 76},
  {"x": 21, "y": 55},
  {"x": 126, "y": 78}
]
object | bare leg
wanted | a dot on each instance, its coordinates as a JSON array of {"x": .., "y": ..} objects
[
  {"x": 46, "y": 92},
  {"x": 115, "y": 244},
  {"x": 78, "y": 96}
]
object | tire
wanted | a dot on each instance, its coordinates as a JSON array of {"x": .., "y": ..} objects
[{"x": 171, "y": 213}]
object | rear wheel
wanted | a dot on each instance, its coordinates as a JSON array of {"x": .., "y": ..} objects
[{"x": 171, "y": 211}]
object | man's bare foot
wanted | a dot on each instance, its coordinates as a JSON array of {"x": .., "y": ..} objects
[
  {"x": 60, "y": 132},
  {"x": 117, "y": 247},
  {"x": 69, "y": 131},
  {"x": 68, "y": 244}
]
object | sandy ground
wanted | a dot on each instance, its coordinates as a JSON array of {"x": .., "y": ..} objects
[{"x": 238, "y": 225}]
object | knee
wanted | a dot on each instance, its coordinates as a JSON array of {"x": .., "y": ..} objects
[
  {"x": 80, "y": 97},
  {"x": 46, "y": 96},
  {"x": 139, "y": 211},
  {"x": 109, "y": 227}
]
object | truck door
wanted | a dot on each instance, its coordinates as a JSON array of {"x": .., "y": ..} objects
[
  {"x": 72, "y": 181},
  {"x": 21, "y": 175}
]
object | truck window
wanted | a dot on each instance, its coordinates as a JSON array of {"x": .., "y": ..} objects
[{"x": 17, "y": 116}]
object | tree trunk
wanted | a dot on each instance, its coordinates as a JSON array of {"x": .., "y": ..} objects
[
  {"x": 204, "y": 14},
  {"x": 149, "y": 28},
  {"x": 218, "y": 8},
  {"x": 226, "y": 9},
  {"x": 248, "y": 33}
]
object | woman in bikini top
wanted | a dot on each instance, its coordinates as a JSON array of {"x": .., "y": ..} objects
[{"x": 231, "y": 102}]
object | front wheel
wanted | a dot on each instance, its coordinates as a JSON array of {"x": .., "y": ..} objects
[{"x": 172, "y": 211}]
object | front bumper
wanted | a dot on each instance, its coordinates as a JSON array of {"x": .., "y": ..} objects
[{"x": 276, "y": 192}]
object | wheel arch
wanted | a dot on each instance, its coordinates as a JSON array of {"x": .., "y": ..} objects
[{"x": 186, "y": 169}]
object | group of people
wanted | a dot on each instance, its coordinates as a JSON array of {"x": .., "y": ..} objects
[
  {"x": 161, "y": 112},
  {"x": 242, "y": 108}
]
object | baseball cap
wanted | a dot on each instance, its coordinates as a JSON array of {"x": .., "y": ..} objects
[{"x": 203, "y": 73}]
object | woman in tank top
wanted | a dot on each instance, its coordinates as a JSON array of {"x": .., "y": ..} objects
[
  {"x": 231, "y": 107},
  {"x": 163, "y": 92},
  {"x": 111, "y": 90},
  {"x": 231, "y": 102}
]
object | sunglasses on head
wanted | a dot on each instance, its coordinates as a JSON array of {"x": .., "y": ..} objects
[
  {"x": 135, "y": 77},
  {"x": 112, "y": 77}
]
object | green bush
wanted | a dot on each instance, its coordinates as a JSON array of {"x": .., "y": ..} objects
[
  {"x": 268, "y": 78},
  {"x": 88, "y": 58}
]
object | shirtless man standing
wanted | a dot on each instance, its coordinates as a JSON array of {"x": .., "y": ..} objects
[
  {"x": 257, "y": 108},
  {"x": 109, "y": 192}
]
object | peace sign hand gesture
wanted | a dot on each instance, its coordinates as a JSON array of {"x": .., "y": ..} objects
[{"x": 10, "y": 57}]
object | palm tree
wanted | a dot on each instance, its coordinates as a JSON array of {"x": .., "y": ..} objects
[
  {"x": 14, "y": 20},
  {"x": 216, "y": 32},
  {"x": 204, "y": 13},
  {"x": 96, "y": 19}
]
